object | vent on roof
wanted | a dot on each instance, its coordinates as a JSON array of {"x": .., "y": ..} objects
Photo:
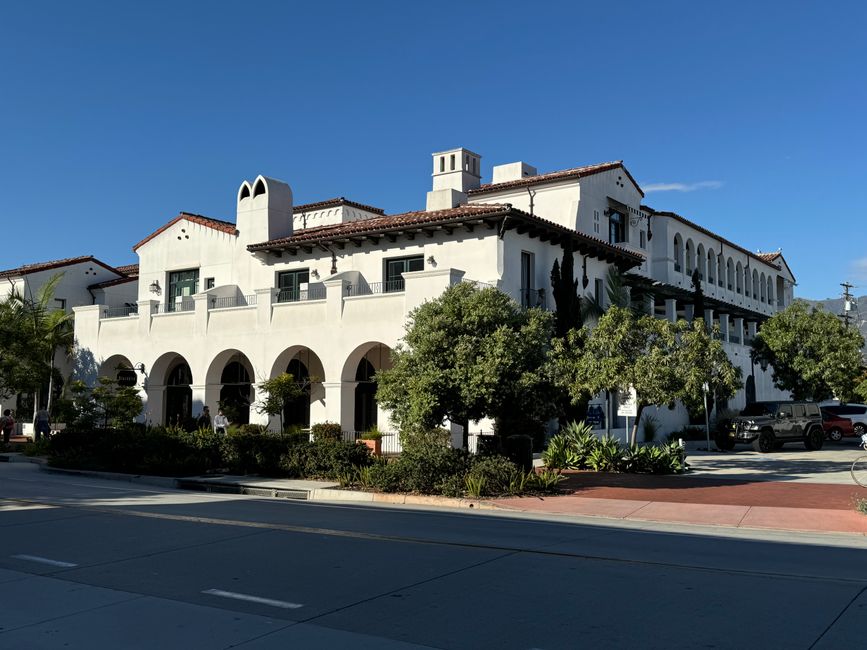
[
  {"x": 259, "y": 189},
  {"x": 512, "y": 172},
  {"x": 245, "y": 192}
]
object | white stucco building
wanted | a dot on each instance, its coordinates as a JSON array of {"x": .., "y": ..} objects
[
  {"x": 323, "y": 289},
  {"x": 84, "y": 280}
]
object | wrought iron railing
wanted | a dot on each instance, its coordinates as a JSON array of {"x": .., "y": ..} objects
[
  {"x": 185, "y": 304},
  {"x": 120, "y": 312},
  {"x": 300, "y": 295},
  {"x": 390, "y": 441},
  {"x": 392, "y": 286},
  {"x": 225, "y": 302}
]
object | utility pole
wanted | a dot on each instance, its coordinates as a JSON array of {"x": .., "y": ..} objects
[{"x": 847, "y": 302}]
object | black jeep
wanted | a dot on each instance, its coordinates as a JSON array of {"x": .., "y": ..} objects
[{"x": 769, "y": 425}]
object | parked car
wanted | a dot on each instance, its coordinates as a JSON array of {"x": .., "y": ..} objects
[
  {"x": 855, "y": 412},
  {"x": 770, "y": 425},
  {"x": 835, "y": 426}
]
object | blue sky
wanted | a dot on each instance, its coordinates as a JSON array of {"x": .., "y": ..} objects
[{"x": 116, "y": 116}]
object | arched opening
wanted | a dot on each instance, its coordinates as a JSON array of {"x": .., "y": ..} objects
[
  {"x": 750, "y": 389},
  {"x": 762, "y": 287},
  {"x": 755, "y": 285},
  {"x": 700, "y": 262},
  {"x": 730, "y": 274},
  {"x": 739, "y": 278},
  {"x": 360, "y": 368},
  {"x": 770, "y": 290},
  {"x": 748, "y": 282},
  {"x": 689, "y": 257},
  {"x": 678, "y": 253},
  {"x": 720, "y": 265},
  {"x": 296, "y": 413},
  {"x": 711, "y": 267},
  {"x": 119, "y": 368},
  {"x": 245, "y": 192},
  {"x": 236, "y": 392},
  {"x": 259, "y": 188},
  {"x": 179, "y": 394}
]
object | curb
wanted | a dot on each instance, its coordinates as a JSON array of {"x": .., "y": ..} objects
[{"x": 158, "y": 481}]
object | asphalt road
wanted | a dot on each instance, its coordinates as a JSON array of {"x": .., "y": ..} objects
[{"x": 87, "y": 563}]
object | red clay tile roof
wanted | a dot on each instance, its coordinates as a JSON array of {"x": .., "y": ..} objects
[
  {"x": 54, "y": 264},
  {"x": 769, "y": 257},
  {"x": 418, "y": 219},
  {"x": 112, "y": 283},
  {"x": 216, "y": 224},
  {"x": 553, "y": 177},
  {"x": 762, "y": 257},
  {"x": 129, "y": 270},
  {"x": 331, "y": 203}
]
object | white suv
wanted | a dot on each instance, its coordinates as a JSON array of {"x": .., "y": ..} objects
[{"x": 855, "y": 412}]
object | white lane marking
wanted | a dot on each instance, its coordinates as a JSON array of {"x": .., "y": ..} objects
[
  {"x": 253, "y": 599},
  {"x": 45, "y": 560}
]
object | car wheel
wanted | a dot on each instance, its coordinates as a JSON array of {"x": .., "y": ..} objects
[
  {"x": 835, "y": 434},
  {"x": 860, "y": 429},
  {"x": 765, "y": 442},
  {"x": 814, "y": 439}
]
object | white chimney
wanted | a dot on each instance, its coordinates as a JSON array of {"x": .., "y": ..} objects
[
  {"x": 264, "y": 210},
  {"x": 512, "y": 172},
  {"x": 454, "y": 173}
]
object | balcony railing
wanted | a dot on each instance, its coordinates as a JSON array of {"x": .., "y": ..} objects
[
  {"x": 231, "y": 301},
  {"x": 120, "y": 312},
  {"x": 184, "y": 304},
  {"x": 392, "y": 286},
  {"x": 300, "y": 295}
]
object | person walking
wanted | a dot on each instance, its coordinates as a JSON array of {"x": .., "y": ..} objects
[
  {"x": 7, "y": 425},
  {"x": 204, "y": 421},
  {"x": 41, "y": 424},
  {"x": 221, "y": 423}
]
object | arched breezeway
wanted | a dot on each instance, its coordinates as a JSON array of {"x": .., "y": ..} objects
[
  {"x": 305, "y": 365},
  {"x": 229, "y": 385},
  {"x": 359, "y": 406},
  {"x": 120, "y": 369},
  {"x": 170, "y": 394}
]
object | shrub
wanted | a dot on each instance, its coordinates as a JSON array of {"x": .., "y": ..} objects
[
  {"x": 372, "y": 434},
  {"x": 325, "y": 458},
  {"x": 650, "y": 425},
  {"x": 546, "y": 480},
  {"x": 519, "y": 449},
  {"x": 495, "y": 475},
  {"x": 861, "y": 506},
  {"x": 571, "y": 447},
  {"x": 605, "y": 457},
  {"x": 327, "y": 430}
]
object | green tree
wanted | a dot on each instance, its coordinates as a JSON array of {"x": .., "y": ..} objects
[
  {"x": 468, "y": 354},
  {"x": 31, "y": 335},
  {"x": 108, "y": 404},
  {"x": 564, "y": 289},
  {"x": 702, "y": 360},
  {"x": 812, "y": 353},
  {"x": 278, "y": 391},
  {"x": 624, "y": 349}
]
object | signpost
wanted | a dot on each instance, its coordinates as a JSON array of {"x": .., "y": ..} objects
[
  {"x": 706, "y": 388},
  {"x": 627, "y": 406}
]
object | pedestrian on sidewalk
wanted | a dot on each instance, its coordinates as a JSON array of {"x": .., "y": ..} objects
[
  {"x": 41, "y": 424},
  {"x": 221, "y": 423},
  {"x": 7, "y": 425},
  {"x": 204, "y": 421}
]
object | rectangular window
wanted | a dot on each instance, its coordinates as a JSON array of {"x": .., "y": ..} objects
[
  {"x": 292, "y": 285},
  {"x": 182, "y": 286},
  {"x": 598, "y": 291},
  {"x": 616, "y": 227},
  {"x": 209, "y": 283},
  {"x": 596, "y": 221},
  {"x": 395, "y": 268},
  {"x": 642, "y": 239},
  {"x": 60, "y": 303},
  {"x": 527, "y": 275},
  {"x": 452, "y": 162},
  {"x": 800, "y": 411}
]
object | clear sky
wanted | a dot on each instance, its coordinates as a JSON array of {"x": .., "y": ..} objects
[{"x": 747, "y": 117}]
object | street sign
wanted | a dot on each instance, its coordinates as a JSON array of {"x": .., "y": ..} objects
[{"x": 627, "y": 404}]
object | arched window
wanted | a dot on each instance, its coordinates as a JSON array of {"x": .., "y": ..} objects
[
  {"x": 739, "y": 278},
  {"x": 365, "y": 396},
  {"x": 748, "y": 292},
  {"x": 711, "y": 266},
  {"x": 245, "y": 192},
  {"x": 755, "y": 285},
  {"x": 762, "y": 286},
  {"x": 678, "y": 253},
  {"x": 720, "y": 265},
  {"x": 700, "y": 262},
  {"x": 179, "y": 396},
  {"x": 689, "y": 257},
  {"x": 259, "y": 189},
  {"x": 730, "y": 274},
  {"x": 770, "y": 290}
]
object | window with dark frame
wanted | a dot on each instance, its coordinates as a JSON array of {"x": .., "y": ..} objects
[
  {"x": 395, "y": 268},
  {"x": 527, "y": 275},
  {"x": 291, "y": 285},
  {"x": 616, "y": 227}
]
